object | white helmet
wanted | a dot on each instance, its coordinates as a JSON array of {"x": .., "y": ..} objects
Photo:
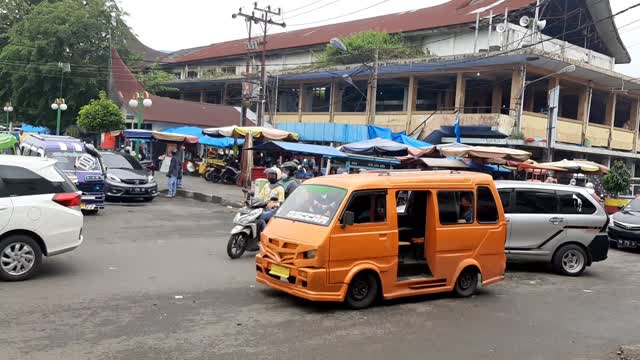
[
  {"x": 589, "y": 186},
  {"x": 274, "y": 170}
]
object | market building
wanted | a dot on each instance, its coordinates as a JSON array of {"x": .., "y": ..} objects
[{"x": 508, "y": 78}]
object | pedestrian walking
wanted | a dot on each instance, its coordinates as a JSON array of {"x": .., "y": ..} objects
[
  {"x": 172, "y": 174},
  {"x": 181, "y": 156}
]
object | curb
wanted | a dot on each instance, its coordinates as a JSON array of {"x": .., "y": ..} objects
[{"x": 214, "y": 199}]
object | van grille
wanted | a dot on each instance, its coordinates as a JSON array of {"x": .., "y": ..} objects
[{"x": 280, "y": 251}]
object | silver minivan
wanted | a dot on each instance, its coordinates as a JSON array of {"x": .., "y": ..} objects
[{"x": 560, "y": 224}]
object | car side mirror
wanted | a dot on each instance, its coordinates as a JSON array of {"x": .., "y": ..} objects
[{"x": 348, "y": 219}]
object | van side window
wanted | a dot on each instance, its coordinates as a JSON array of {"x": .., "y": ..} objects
[
  {"x": 505, "y": 197},
  {"x": 535, "y": 202},
  {"x": 575, "y": 203},
  {"x": 369, "y": 206},
  {"x": 487, "y": 211},
  {"x": 455, "y": 207}
]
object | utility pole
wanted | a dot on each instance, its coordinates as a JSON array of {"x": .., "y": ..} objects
[
  {"x": 265, "y": 20},
  {"x": 374, "y": 87}
]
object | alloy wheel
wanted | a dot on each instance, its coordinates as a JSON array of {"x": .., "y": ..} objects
[{"x": 17, "y": 258}]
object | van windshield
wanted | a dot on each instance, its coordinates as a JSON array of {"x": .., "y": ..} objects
[
  {"x": 67, "y": 161},
  {"x": 314, "y": 204}
]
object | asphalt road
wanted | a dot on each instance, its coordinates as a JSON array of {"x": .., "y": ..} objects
[{"x": 153, "y": 281}]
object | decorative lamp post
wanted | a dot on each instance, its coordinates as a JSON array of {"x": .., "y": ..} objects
[
  {"x": 140, "y": 101},
  {"x": 59, "y": 106},
  {"x": 7, "y": 109}
]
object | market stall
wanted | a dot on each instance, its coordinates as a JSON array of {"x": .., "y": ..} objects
[
  {"x": 160, "y": 144},
  {"x": 249, "y": 134}
]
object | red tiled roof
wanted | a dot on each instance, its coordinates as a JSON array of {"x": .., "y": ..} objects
[
  {"x": 169, "y": 110},
  {"x": 454, "y": 12}
]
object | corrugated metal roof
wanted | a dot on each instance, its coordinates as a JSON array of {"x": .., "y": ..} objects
[
  {"x": 169, "y": 110},
  {"x": 454, "y": 12}
]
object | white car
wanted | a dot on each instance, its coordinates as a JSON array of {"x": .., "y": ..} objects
[{"x": 39, "y": 215}]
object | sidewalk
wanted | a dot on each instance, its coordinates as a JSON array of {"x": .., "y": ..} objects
[{"x": 197, "y": 188}]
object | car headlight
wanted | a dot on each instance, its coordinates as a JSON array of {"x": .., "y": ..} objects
[
  {"x": 113, "y": 178},
  {"x": 150, "y": 178},
  {"x": 311, "y": 254}
]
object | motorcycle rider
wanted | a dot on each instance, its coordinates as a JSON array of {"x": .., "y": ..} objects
[
  {"x": 272, "y": 194},
  {"x": 289, "y": 182}
]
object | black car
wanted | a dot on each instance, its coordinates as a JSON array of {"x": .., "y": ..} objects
[
  {"x": 624, "y": 227},
  {"x": 126, "y": 178}
]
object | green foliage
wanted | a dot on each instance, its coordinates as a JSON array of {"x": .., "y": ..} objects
[
  {"x": 517, "y": 135},
  {"x": 618, "y": 179},
  {"x": 101, "y": 115},
  {"x": 361, "y": 48},
  {"x": 11, "y": 12},
  {"x": 154, "y": 79},
  {"x": 52, "y": 32}
]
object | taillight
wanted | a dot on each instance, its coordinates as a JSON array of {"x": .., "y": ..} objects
[{"x": 71, "y": 200}]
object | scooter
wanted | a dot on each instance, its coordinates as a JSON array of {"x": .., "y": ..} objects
[
  {"x": 244, "y": 235},
  {"x": 229, "y": 175}
]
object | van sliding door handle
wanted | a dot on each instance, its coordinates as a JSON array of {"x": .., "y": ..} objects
[{"x": 556, "y": 220}]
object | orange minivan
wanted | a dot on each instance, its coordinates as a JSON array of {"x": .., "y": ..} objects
[{"x": 362, "y": 237}]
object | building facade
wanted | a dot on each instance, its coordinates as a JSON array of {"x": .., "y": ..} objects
[{"x": 513, "y": 73}]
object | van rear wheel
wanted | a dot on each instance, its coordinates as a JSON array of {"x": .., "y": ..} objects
[
  {"x": 570, "y": 260},
  {"x": 363, "y": 291},
  {"x": 467, "y": 282}
]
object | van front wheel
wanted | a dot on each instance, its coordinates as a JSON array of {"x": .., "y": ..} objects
[
  {"x": 362, "y": 291},
  {"x": 467, "y": 282}
]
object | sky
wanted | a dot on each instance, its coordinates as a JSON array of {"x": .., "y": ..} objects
[{"x": 172, "y": 25}]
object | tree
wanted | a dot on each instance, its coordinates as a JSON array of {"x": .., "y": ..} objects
[
  {"x": 101, "y": 115},
  {"x": 617, "y": 180},
  {"x": 361, "y": 48},
  {"x": 78, "y": 32},
  {"x": 153, "y": 80}
]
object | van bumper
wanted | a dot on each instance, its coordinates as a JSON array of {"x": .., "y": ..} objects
[
  {"x": 305, "y": 283},
  {"x": 599, "y": 247}
]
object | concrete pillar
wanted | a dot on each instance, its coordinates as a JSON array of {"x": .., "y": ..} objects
[
  {"x": 449, "y": 98},
  {"x": 332, "y": 99},
  {"x": 181, "y": 95},
  {"x": 461, "y": 86},
  {"x": 411, "y": 100},
  {"x": 611, "y": 115},
  {"x": 517, "y": 80},
  {"x": 496, "y": 99},
  {"x": 300, "y": 101},
  {"x": 202, "y": 96},
  {"x": 224, "y": 94},
  {"x": 635, "y": 120},
  {"x": 584, "y": 110}
]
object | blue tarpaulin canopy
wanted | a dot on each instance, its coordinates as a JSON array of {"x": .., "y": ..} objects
[
  {"x": 325, "y": 151},
  {"x": 488, "y": 167},
  {"x": 327, "y": 132},
  {"x": 224, "y": 142},
  {"x": 35, "y": 129},
  {"x": 409, "y": 141}
]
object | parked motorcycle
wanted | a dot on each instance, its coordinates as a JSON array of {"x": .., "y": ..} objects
[
  {"x": 244, "y": 235},
  {"x": 230, "y": 175}
]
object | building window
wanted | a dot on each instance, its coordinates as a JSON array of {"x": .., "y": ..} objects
[
  {"x": 231, "y": 69},
  {"x": 569, "y": 106},
  {"x": 191, "y": 96},
  {"x": 392, "y": 96},
  {"x": 353, "y": 99},
  {"x": 317, "y": 98},
  {"x": 623, "y": 114},
  {"x": 192, "y": 75},
  {"x": 213, "y": 97},
  {"x": 598, "y": 112},
  {"x": 288, "y": 99}
]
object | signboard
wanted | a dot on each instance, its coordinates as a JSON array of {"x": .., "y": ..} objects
[{"x": 367, "y": 164}]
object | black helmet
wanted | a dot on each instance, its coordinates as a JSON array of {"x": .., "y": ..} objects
[{"x": 290, "y": 166}]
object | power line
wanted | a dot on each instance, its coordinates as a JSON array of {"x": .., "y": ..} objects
[
  {"x": 345, "y": 15},
  {"x": 311, "y": 10}
]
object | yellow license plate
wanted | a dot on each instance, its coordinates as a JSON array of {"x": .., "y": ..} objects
[{"x": 279, "y": 271}]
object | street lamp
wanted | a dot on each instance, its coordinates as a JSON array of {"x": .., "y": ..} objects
[
  {"x": 340, "y": 45},
  {"x": 140, "y": 101},
  {"x": 7, "y": 109},
  {"x": 59, "y": 106}
]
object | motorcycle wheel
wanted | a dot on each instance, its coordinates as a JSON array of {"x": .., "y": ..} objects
[{"x": 237, "y": 245}]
